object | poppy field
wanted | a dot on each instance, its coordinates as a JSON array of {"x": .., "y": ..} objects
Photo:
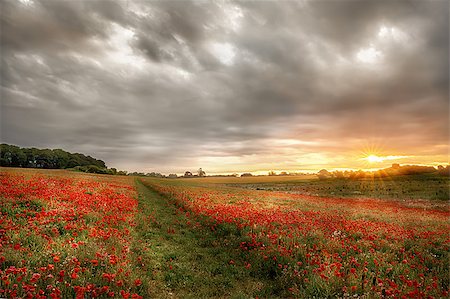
[
  {"x": 66, "y": 235},
  {"x": 72, "y": 235},
  {"x": 328, "y": 247}
]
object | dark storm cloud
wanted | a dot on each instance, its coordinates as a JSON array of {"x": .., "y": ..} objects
[{"x": 164, "y": 84}]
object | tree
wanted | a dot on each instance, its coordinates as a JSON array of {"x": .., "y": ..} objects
[
  {"x": 201, "y": 172},
  {"x": 338, "y": 174},
  {"x": 112, "y": 171},
  {"x": 14, "y": 156},
  {"x": 154, "y": 174},
  {"x": 444, "y": 170},
  {"x": 324, "y": 174}
]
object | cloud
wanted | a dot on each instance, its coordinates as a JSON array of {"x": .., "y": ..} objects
[{"x": 173, "y": 84}]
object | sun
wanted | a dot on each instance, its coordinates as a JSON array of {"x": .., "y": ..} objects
[
  {"x": 374, "y": 159},
  {"x": 372, "y": 152}
]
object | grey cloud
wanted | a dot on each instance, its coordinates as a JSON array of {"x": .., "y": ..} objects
[
  {"x": 293, "y": 75},
  {"x": 110, "y": 10},
  {"x": 48, "y": 25},
  {"x": 149, "y": 47}
]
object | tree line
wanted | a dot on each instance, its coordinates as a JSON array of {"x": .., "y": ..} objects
[
  {"x": 14, "y": 156},
  {"x": 394, "y": 170}
]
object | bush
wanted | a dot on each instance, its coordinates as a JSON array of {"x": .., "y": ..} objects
[{"x": 92, "y": 169}]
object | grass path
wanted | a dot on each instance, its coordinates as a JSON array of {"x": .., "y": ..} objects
[{"x": 179, "y": 260}]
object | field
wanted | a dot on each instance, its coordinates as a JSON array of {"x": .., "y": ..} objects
[
  {"x": 66, "y": 234},
  {"x": 425, "y": 186}
]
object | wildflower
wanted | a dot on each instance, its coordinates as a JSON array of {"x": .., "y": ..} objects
[
  {"x": 125, "y": 295},
  {"x": 35, "y": 277}
]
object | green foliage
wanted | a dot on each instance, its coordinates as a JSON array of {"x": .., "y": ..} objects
[
  {"x": 91, "y": 169},
  {"x": 14, "y": 156}
]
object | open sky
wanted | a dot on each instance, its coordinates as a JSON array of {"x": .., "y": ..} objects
[{"x": 171, "y": 86}]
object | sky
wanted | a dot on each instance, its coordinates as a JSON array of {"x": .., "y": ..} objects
[{"x": 171, "y": 86}]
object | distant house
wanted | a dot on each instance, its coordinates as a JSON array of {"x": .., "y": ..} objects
[
  {"x": 188, "y": 174},
  {"x": 395, "y": 166},
  {"x": 172, "y": 176}
]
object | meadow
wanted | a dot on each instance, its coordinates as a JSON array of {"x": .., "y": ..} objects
[
  {"x": 411, "y": 189},
  {"x": 424, "y": 186},
  {"x": 66, "y": 234}
]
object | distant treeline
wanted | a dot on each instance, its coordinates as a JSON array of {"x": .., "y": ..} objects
[
  {"x": 14, "y": 156},
  {"x": 395, "y": 170}
]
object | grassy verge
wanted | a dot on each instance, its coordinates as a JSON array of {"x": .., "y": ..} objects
[{"x": 184, "y": 259}]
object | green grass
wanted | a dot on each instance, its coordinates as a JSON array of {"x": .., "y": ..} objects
[{"x": 188, "y": 261}]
